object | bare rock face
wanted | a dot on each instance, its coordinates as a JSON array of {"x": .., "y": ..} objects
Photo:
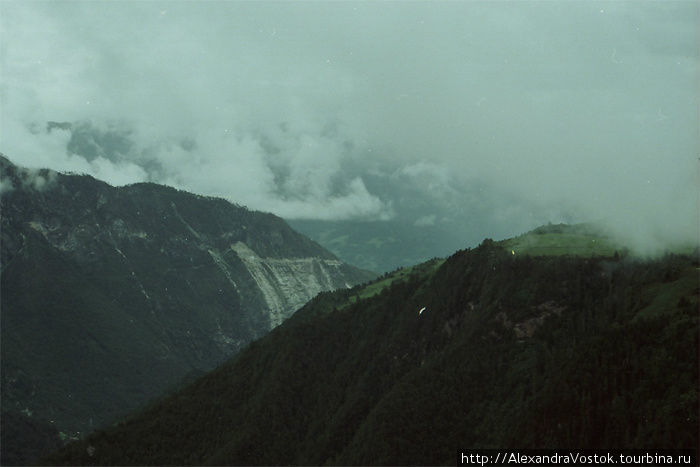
[
  {"x": 288, "y": 283},
  {"x": 112, "y": 295}
]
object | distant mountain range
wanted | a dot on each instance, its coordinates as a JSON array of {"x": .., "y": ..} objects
[
  {"x": 110, "y": 296},
  {"x": 557, "y": 338},
  {"x": 430, "y": 211}
]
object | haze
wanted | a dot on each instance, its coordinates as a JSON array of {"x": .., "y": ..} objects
[{"x": 542, "y": 112}]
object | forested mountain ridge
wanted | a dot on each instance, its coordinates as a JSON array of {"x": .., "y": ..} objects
[
  {"x": 509, "y": 351},
  {"x": 112, "y": 295}
]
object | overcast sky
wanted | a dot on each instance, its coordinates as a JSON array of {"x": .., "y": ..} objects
[{"x": 585, "y": 108}]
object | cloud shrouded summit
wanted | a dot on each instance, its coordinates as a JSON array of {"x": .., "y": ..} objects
[{"x": 579, "y": 109}]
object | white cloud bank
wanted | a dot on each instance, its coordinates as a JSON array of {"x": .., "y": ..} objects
[{"x": 586, "y": 108}]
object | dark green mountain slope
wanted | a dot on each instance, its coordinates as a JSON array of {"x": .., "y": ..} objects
[
  {"x": 24, "y": 438},
  {"x": 112, "y": 295},
  {"x": 510, "y": 351}
]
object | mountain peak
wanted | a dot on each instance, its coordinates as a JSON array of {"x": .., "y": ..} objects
[{"x": 128, "y": 289}]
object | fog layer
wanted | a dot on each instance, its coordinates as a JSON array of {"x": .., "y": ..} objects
[{"x": 547, "y": 111}]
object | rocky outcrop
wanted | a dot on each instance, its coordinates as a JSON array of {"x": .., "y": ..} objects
[{"x": 286, "y": 284}]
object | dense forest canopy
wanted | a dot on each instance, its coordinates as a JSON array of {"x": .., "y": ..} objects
[{"x": 511, "y": 351}]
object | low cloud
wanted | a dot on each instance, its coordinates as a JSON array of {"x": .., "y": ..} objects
[
  {"x": 28, "y": 179},
  {"x": 6, "y": 185},
  {"x": 425, "y": 221},
  {"x": 508, "y": 114}
]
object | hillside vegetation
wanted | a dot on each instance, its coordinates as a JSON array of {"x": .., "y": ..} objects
[
  {"x": 562, "y": 239},
  {"x": 511, "y": 351}
]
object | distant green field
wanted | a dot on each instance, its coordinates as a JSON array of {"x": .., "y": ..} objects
[
  {"x": 555, "y": 244},
  {"x": 579, "y": 240},
  {"x": 550, "y": 240}
]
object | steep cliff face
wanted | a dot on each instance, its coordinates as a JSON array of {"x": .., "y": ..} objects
[
  {"x": 286, "y": 284},
  {"x": 112, "y": 295}
]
